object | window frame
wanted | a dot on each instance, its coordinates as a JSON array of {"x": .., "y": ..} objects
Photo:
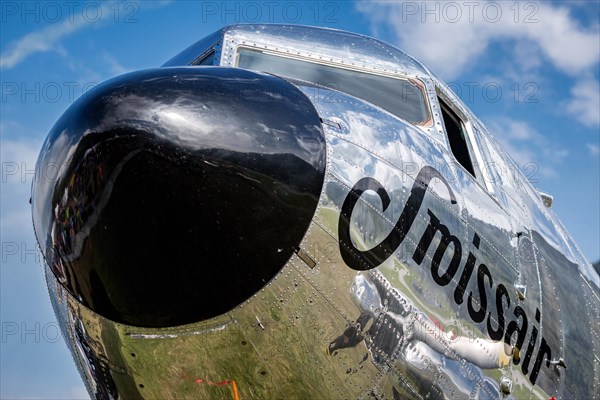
[
  {"x": 198, "y": 61},
  {"x": 480, "y": 175},
  {"x": 415, "y": 81}
]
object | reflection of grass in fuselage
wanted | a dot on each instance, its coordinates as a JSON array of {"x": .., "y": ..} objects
[
  {"x": 330, "y": 215},
  {"x": 298, "y": 340},
  {"x": 172, "y": 365},
  {"x": 291, "y": 351},
  {"x": 112, "y": 340}
]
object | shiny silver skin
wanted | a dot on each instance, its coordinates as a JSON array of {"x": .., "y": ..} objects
[{"x": 321, "y": 329}]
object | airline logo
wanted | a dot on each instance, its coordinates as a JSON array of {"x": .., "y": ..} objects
[{"x": 502, "y": 308}]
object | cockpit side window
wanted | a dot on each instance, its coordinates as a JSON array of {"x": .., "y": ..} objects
[
  {"x": 399, "y": 96},
  {"x": 207, "y": 59},
  {"x": 457, "y": 137}
]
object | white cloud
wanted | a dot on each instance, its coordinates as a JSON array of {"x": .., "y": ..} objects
[
  {"x": 517, "y": 130},
  {"x": 78, "y": 393},
  {"x": 43, "y": 40},
  {"x": 527, "y": 147},
  {"x": 48, "y": 38},
  {"x": 18, "y": 163},
  {"x": 584, "y": 105},
  {"x": 593, "y": 148},
  {"x": 115, "y": 67},
  {"x": 449, "y": 37}
]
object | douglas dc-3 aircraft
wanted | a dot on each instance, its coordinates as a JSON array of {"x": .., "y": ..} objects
[{"x": 288, "y": 212}]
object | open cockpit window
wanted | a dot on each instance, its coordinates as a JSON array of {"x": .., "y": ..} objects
[
  {"x": 400, "y": 96},
  {"x": 457, "y": 137}
]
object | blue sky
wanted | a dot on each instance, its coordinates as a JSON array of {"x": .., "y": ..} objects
[{"x": 529, "y": 70}]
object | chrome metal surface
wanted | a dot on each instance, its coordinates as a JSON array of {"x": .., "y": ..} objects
[{"x": 408, "y": 278}]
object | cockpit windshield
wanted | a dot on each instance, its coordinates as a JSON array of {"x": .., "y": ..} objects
[{"x": 398, "y": 96}]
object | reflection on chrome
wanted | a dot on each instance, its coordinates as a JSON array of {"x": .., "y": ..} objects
[{"x": 262, "y": 217}]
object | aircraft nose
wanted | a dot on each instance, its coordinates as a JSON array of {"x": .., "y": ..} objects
[{"x": 169, "y": 196}]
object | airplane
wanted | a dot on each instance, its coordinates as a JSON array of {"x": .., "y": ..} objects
[{"x": 292, "y": 212}]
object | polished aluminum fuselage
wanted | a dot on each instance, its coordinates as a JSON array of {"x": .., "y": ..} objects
[{"x": 415, "y": 279}]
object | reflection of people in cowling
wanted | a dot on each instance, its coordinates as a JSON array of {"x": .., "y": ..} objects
[
  {"x": 351, "y": 336},
  {"x": 395, "y": 324},
  {"x": 80, "y": 197}
]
